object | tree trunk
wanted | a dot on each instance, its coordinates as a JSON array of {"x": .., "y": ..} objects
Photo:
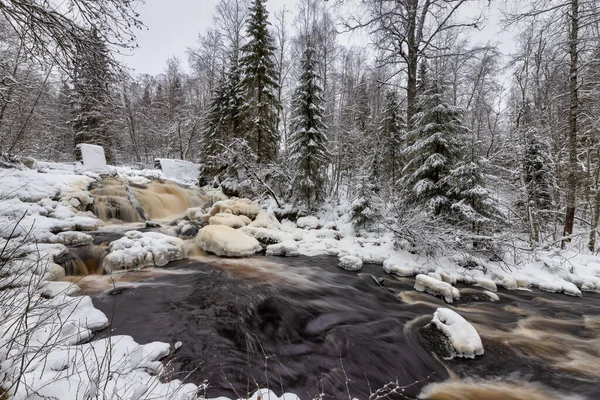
[
  {"x": 412, "y": 64},
  {"x": 573, "y": 113}
]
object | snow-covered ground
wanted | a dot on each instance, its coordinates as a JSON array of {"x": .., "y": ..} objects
[{"x": 43, "y": 326}]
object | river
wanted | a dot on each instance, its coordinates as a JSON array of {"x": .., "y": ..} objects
[{"x": 305, "y": 326}]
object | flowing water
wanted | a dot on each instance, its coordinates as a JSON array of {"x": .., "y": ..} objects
[{"x": 305, "y": 326}]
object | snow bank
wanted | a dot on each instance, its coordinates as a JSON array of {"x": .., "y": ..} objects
[
  {"x": 287, "y": 248},
  {"x": 236, "y": 206},
  {"x": 93, "y": 158},
  {"x": 425, "y": 283},
  {"x": 114, "y": 366},
  {"x": 309, "y": 222},
  {"x": 350, "y": 263},
  {"x": 227, "y": 242},
  {"x": 141, "y": 249},
  {"x": 230, "y": 220},
  {"x": 462, "y": 335},
  {"x": 179, "y": 170}
]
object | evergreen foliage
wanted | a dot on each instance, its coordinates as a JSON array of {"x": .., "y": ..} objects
[
  {"x": 390, "y": 138},
  {"x": 260, "y": 83},
  {"x": 91, "y": 80},
  {"x": 308, "y": 153}
]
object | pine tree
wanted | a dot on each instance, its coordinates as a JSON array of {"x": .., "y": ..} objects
[
  {"x": 260, "y": 83},
  {"x": 307, "y": 149},
  {"x": 391, "y": 132},
  {"x": 433, "y": 151},
  {"x": 91, "y": 80},
  {"x": 365, "y": 207},
  {"x": 234, "y": 99}
]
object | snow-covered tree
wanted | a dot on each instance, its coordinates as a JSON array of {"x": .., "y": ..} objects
[
  {"x": 433, "y": 151},
  {"x": 91, "y": 80},
  {"x": 390, "y": 138},
  {"x": 212, "y": 135},
  {"x": 308, "y": 152},
  {"x": 260, "y": 83},
  {"x": 366, "y": 205}
]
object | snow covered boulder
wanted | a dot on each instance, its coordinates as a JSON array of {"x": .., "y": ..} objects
[
  {"x": 73, "y": 238},
  {"x": 309, "y": 222},
  {"x": 450, "y": 335},
  {"x": 92, "y": 158},
  {"x": 236, "y": 206},
  {"x": 267, "y": 236},
  {"x": 425, "y": 283},
  {"x": 230, "y": 220},
  {"x": 227, "y": 242},
  {"x": 178, "y": 170},
  {"x": 195, "y": 213},
  {"x": 266, "y": 220},
  {"x": 350, "y": 263},
  {"x": 141, "y": 249},
  {"x": 288, "y": 248}
]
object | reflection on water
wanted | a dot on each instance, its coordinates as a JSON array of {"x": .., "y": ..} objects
[{"x": 306, "y": 326}]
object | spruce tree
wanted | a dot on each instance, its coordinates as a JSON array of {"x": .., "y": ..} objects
[
  {"x": 433, "y": 151},
  {"x": 212, "y": 135},
  {"x": 391, "y": 132},
  {"x": 234, "y": 100},
  {"x": 260, "y": 84},
  {"x": 366, "y": 205},
  {"x": 91, "y": 80},
  {"x": 307, "y": 148}
]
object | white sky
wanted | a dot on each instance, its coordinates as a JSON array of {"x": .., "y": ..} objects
[{"x": 172, "y": 26}]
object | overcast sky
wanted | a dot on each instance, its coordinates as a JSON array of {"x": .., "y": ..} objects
[{"x": 174, "y": 25}]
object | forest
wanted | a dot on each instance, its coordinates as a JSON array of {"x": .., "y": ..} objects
[{"x": 422, "y": 130}]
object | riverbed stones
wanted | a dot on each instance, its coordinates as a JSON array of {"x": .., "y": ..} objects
[{"x": 225, "y": 241}]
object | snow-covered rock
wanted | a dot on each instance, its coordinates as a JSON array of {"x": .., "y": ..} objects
[
  {"x": 236, "y": 206},
  {"x": 268, "y": 236},
  {"x": 230, "y": 220},
  {"x": 179, "y": 170},
  {"x": 93, "y": 158},
  {"x": 506, "y": 281},
  {"x": 195, "y": 213},
  {"x": 309, "y": 222},
  {"x": 424, "y": 283},
  {"x": 493, "y": 296},
  {"x": 141, "y": 249},
  {"x": 287, "y": 248},
  {"x": 350, "y": 263},
  {"x": 53, "y": 289},
  {"x": 463, "y": 339},
  {"x": 227, "y": 242},
  {"x": 73, "y": 238},
  {"x": 486, "y": 283},
  {"x": 267, "y": 220},
  {"x": 399, "y": 267}
]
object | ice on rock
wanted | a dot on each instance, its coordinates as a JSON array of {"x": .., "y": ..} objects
[
  {"x": 424, "y": 283},
  {"x": 53, "y": 289},
  {"x": 462, "y": 335},
  {"x": 267, "y": 236},
  {"x": 230, "y": 220},
  {"x": 288, "y": 248},
  {"x": 236, "y": 206},
  {"x": 53, "y": 272},
  {"x": 141, "y": 249},
  {"x": 350, "y": 263},
  {"x": 435, "y": 275},
  {"x": 486, "y": 283},
  {"x": 195, "y": 213},
  {"x": 309, "y": 222},
  {"x": 227, "y": 242},
  {"x": 493, "y": 296},
  {"x": 506, "y": 281}
]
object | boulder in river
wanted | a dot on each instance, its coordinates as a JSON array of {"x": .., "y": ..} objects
[
  {"x": 450, "y": 335},
  {"x": 227, "y": 242}
]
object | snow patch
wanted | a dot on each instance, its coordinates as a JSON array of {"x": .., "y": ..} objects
[
  {"x": 309, "y": 222},
  {"x": 93, "y": 158},
  {"x": 179, "y": 170},
  {"x": 350, "y": 263},
  {"x": 287, "y": 248}
]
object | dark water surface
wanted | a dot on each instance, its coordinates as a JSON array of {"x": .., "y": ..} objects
[{"x": 302, "y": 325}]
